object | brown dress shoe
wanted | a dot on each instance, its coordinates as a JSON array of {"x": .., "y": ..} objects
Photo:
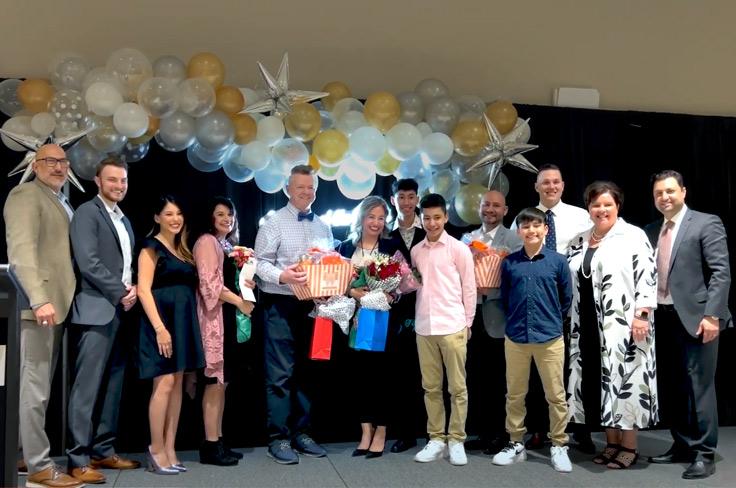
[
  {"x": 86, "y": 474},
  {"x": 115, "y": 462},
  {"x": 52, "y": 477}
]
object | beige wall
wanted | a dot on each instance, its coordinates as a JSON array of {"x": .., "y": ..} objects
[{"x": 659, "y": 55}]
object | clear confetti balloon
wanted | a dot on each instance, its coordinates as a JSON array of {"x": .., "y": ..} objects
[
  {"x": 131, "y": 67},
  {"x": 132, "y": 153},
  {"x": 101, "y": 74},
  {"x": 104, "y": 137},
  {"x": 70, "y": 73},
  {"x": 159, "y": 96},
  {"x": 196, "y": 97},
  {"x": 9, "y": 103},
  {"x": 68, "y": 106}
]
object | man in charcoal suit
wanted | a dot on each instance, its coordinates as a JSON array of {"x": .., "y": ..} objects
[{"x": 692, "y": 308}]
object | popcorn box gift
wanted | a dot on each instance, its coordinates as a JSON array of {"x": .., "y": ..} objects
[
  {"x": 488, "y": 269},
  {"x": 324, "y": 280}
]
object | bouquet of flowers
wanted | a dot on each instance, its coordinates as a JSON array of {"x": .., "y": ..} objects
[
  {"x": 487, "y": 262},
  {"x": 245, "y": 262},
  {"x": 411, "y": 280},
  {"x": 381, "y": 272}
]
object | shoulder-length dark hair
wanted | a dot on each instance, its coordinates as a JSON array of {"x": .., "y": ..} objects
[
  {"x": 233, "y": 236},
  {"x": 180, "y": 240}
]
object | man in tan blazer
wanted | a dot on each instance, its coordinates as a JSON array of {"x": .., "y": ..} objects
[{"x": 37, "y": 219}]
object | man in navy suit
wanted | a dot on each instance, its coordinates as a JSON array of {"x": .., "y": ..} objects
[
  {"x": 102, "y": 243},
  {"x": 692, "y": 308}
]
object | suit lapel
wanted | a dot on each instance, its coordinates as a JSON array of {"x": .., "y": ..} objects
[
  {"x": 54, "y": 199},
  {"x": 684, "y": 228},
  {"x": 106, "y": 217}
]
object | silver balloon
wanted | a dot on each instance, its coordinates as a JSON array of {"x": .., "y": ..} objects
[
  {"x": 430, "y": 89},
  {"x": 104, "y": 137},
  {"x": 170, "y": 67},
  {"x": 442, "y": 115},
  {"x": 215, "y": 130},
  {"x": 176, "y": 132},
  {"x": 209, "y": 155},
  {"x": 132, "y": 153},
  {"x": 200, "y": 165},
  {"x": 84, "y": 159},
  {"x": 471, "y": 103},
  {"x": 70, "y": 73},
  {"x": 459, "y": 166},
  {"x": 521, "y": 132},
  {"x": 501, "y": 183},
  {"x": 412, "y": 107},
  {"x": 9, "y": 103}
]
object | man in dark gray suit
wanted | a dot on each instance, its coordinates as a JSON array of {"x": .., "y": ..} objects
[
  {"x": 102, "y": 243},
  {"x": 692, "y": 307},
  {"x": 486, "y": 356}
]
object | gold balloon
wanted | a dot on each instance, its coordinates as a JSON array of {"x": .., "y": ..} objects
[
  {"x": 245, "y": 128},
  {"x": 469, "y": 137},
  {"x": 503, "y": 115},
  {"x": 330, "y": 146},
  {"x": 153, "y": 124},
  {"x": 387, "y": 165},
  {"x": 314, "y": 162},
  {"x": 467, "y": 202},
  {"x": 207, "y": 66},
  {"x": 382, "y": 110},
  {"x": 229, "y": 99},
  {"x": 35, "y": 95},
  {"x": 303, "y": 122},
  {"x": 337, "y": 91}
]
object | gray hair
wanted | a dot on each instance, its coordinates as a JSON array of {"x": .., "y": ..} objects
[
  {"x": 302, "y": 169},
  {"x": 361, "y": 211}
]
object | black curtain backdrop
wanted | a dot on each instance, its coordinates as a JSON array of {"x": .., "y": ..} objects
[{"x": 625, "y": 147}]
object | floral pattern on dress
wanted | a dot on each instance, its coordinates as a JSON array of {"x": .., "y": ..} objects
[{"x": 624, "y": 278}]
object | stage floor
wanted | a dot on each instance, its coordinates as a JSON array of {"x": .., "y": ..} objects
[{"x": 339, "y": 469}]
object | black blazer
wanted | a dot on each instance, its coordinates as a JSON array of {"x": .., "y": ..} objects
[
  {"x": 419, "y": 235},
  {"x": 386, "y": 246}
]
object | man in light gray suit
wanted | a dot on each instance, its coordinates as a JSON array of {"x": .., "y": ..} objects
[
  {"x": 486, "y": 356},
  {"x": 102, "y": 243},
  {"x": 692, "y": 308}
]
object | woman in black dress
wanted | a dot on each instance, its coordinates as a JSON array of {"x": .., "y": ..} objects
[{"x": 169, "y": 341}]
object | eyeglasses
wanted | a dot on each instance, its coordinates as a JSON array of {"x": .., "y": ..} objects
[{"x": 51, "y": 162}]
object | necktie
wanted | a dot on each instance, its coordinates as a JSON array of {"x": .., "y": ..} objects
[
  {"x": 664, "y": 249},
  {"x": 551, "y": 241},
  {"x": 305, "y": 216}
]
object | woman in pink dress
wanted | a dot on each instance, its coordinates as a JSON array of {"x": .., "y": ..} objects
[{"x": 217, "y": 303}]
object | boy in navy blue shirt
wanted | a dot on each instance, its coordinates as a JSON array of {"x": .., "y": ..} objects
[{"x": 536, "y": 293}]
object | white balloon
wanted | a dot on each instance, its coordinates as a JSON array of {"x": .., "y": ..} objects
[
  {"x": 196, "y": 97},
  {"x": 352, "y": 189},
  {"x": 43, "y": 124},
  {"x": 255, "y": 155},
  {"x": 438, "y": 147},
  {"x": 345, "y": 105},
  {"x": 424, "y": 129},
  {"x": 130, "y": 120},
  {"x": 403, "y": 141},
  {"x": 270, "y": 130},
  {"x": 170, "y": 67},
  {"x": 270, "y": 180},
  {"x": 357, "y": 170},
  {"x": 351, "y": 121},
  {"x": 101, "y": 74},
  {"x": 102, "y": 98},
  {"x": 367, "y": 144}
]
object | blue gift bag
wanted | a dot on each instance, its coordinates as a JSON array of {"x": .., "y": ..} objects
[{"x": 371, "y": 330}]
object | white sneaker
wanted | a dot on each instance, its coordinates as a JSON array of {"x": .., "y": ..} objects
[
  {"x": 457, "y": 454},
  {"x": 433, "y": 451},
  {"x": 560, "y": 460},
  {"x": 513, "y": 453}
]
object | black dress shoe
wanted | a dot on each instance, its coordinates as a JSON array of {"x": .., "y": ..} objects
[
  {"x": 584, "y": 443},
  {"x": 496, "y": 445},
  {"x": 360, "y": 452},
  {"x": 699, "y": 469},
  {"x": 373, "y": 454},
  {"x": 670, "y": 457},
  {"x": 535, "y": 442},
  {"x": 402, "y": 445}
]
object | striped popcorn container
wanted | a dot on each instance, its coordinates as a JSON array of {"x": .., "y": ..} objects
[
  {"x": 488, "y": 268},
  {"x": 324, "y": 280}
]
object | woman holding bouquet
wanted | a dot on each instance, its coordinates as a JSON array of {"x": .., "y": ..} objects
[
  {"x": 217, "y": 304},
  {"x": 368, "y": 238}
]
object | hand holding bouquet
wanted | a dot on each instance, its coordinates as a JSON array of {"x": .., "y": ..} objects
[{"x": 245, "y": 261}]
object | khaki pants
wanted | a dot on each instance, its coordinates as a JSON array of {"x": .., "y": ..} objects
[
  {"x": 549, "y": 358},
  {"x": 450, "y": 350}
]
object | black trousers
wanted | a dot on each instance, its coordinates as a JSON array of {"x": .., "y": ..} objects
[
  {"x": 486, "y": 368},
  {"x": 371, "y": 386},
  {"x": 289, "y": 384},
  {"x": 686, "y": 371}
]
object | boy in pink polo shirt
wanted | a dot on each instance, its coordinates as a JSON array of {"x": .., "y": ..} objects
[{"x": 444, "y": 314}]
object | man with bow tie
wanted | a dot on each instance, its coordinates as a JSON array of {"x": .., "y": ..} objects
[{"x": 282, "y": 239}]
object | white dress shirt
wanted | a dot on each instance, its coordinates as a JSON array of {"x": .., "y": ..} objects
[
  {"x": 677, "y": 220},
  {"x": 116, "y": 215},
  {"x": 569, "y": 222},
  {"x": 407, "y": 234}
]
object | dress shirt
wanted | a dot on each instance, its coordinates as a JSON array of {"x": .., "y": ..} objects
[
  {"x": 64, "y": 203},
  {"x": 677, "y": 220},
  {"x": 116, "y": 215},
  {"x": 408, "y": 234},
  {"x": 536, "y": 294},
  {"x": 282, "y": 240},
  {"x": 487, "y": 236},
  {"x": 446, "y": 300},
  {"x": 569, "y": 222}
]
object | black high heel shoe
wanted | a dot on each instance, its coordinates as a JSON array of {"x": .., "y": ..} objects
[
  {"x": 373, "y": 454},
  {"x": 359, "y": 452},
  {"x": 155, "y": 468}
]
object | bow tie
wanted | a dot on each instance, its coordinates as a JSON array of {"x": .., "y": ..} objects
[{"x": 305, "y": 216}]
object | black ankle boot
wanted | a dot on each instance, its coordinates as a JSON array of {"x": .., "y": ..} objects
[
  {"x": 229, "y": 451},
  {"x": 212, "y": 453}
]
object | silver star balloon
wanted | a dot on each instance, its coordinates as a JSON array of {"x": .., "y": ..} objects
[
  {"x": 503, "y": 150},
  {"x": 279, "y": 98},
  {"x": 33, "y": 143}
]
